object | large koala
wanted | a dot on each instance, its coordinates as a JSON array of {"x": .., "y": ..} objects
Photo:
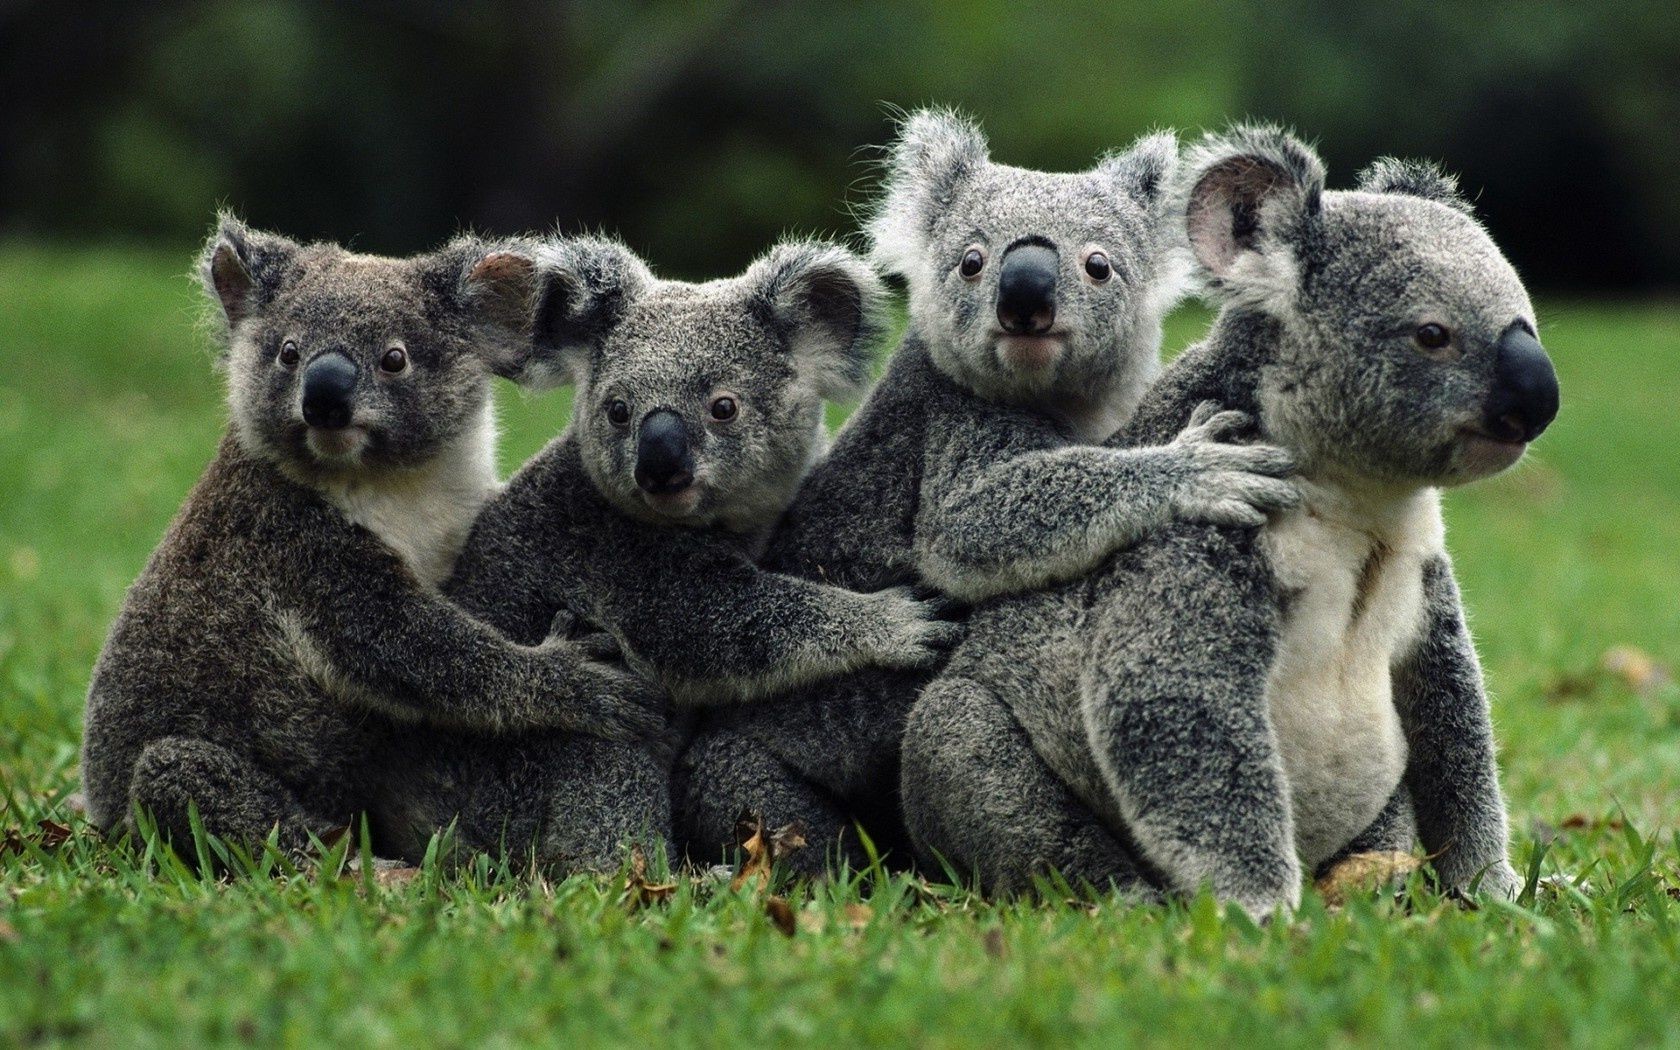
[
  {"x": 292, "y": 607},
  {"x": 698, "y": 410},
  {"x": 1224, "y": 707},
  {"x": 1035, "y": 324}
]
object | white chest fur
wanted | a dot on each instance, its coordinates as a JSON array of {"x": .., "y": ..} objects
[
  {"x": 1351, "y": 566},
  {"x": 424, "y": 515}
]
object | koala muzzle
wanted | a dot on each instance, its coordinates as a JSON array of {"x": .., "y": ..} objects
[
  {"x": 1026, "y": 303},
  {"x": 329, "y": 389},
  {"x": 664, "y": 458},
  {"x": 1524, "y": 400}
]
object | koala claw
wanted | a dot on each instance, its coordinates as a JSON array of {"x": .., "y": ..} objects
[
  {"x": 1212, "y": 424},
  {"x": 919, "y": 631}
]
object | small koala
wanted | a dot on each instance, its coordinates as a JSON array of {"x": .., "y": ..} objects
[
  {"x": 698, "y": 409},
  {"x": 292, "y": 607},
  {"x": 1035, "y": 324},
  {"x": 1223, "y": 706}
]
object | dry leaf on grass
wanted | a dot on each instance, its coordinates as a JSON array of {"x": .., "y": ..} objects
[
  {"x": 53, "y": 834},
  {"x": 1635, "y": 668},
  {"x": 760, "y": 849},
  {"x": 1361, "y": 873},
  {"x": 48, "y": 835},
  {"x": 781, "y": 916},
  {"x": 396, "y": 876},
  {"x": 8, "y": 932},
  {"x": 638, "y": 891}
]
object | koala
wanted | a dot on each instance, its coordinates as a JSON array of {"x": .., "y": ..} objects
[
  {"x": 292, "y": 606},
  {"x": 1035, "y": 306},
  {"x": 698, "y": 409},
  {"x": 1226, "y": 706}
]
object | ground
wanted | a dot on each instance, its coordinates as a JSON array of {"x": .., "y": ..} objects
[{"x": 109, "y": 408}]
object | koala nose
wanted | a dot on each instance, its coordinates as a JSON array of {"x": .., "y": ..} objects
[
  {"x": 664, "y": 460},
  {"x": 1524, "y": 400},
  {"x": 1026, "y": 302},
  {"x": 328, "y": 386}
]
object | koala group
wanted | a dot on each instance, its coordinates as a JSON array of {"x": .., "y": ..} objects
[
  {"x": 1220, "y": 707},
  {"x": 1212, "y": 637}
]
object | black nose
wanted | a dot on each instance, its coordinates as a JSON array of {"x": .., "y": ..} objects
[
  {"x": 329, "y": 384},
  {"x": 1027, "y": 289},
  {"x": 1524, "y": 400},
  {"x": 664, "y": 460}
]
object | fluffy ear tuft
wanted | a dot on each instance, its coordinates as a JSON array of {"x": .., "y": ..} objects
[
  {"x": 935, "y": 151},
  {"x": 1144, "y": 171},
  {"x": 493, "y": 283},
  {"x": 1415, "y": 178},
  {"x": 1245, "y": 195},
  {"x": 584, "y": 285},
  {"x": 242, "y": 269},
  {"x": 827, "y": 305}
]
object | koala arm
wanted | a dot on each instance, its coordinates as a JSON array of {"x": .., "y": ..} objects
[
  {"x": 374, "y": 636},
  {"x": 1450, "y": 769},
  {"x": 712, "y": 627},
  {"x": 997, "y": 521},
  {"x": 1173, "y": 697}
]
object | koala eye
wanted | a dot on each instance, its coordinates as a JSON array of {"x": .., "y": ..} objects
[
  {"x": 724, "y": 408},
  {"x": 973, "y": 261},
  {"x": 1098, "y": 268},
  {"x": 618, "y": 413},
  {"x": 288, "y": 355},
  {"x": 1432, "y": 336},
  {"x": 394, "y": 361}
]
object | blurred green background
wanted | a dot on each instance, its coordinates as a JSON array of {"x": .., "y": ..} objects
[{"x": 700, "y": 130}]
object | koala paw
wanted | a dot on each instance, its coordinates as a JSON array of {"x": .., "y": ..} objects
[
  {"x": 596, "y": 644},
  {"x": 597, "y": 695},
  {"x": 622, "y": 705},
  {"x": 917, "y": 629},
  {"x": 1227, "y": 483},
  {"x": 1500, "y": 881}
]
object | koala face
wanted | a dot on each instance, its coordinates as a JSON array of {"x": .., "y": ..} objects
[
  {"x": 1029, "y": 286},
  {"x": 701, "y": 404},
  {"x": 341, "y": 363},
  {"x": 1408, "y": 349}
]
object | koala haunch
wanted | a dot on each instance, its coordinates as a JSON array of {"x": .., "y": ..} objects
[
  {"x": 291, "y": 603},
  {"x": 1035, "y": 309},
  {"x": 698, "y": 409},
  {"x": 1219, "y": 706}
]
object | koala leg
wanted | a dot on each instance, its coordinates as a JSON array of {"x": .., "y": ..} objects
[
  {"x": 573, "y": 803},
  {"x": 236, "y": 799},
  {"x": 977, "y": 797},
  {"x": 727, "y": 772},
  {"x": 603, "y": 798}
]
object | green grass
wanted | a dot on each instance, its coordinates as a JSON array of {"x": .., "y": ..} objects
[{"x": 109, "y": 409}]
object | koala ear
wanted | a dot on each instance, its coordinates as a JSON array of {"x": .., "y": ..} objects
[
  {"x": 494, "y": 284},
  {"x": 1415, "y": 178},
  {"x": 1247, "y": 195},
  {"x": 936, "y": 150},
  {"x": 827, "y": 306},
  {"x": 242, "y": 269},
  {"x": 584, "y": 285},
  {"x": 1145, "y": 170}
]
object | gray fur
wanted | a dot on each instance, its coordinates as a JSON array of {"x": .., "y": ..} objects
[
  {"x": 674, "y": 585},
  {"x": 964, "y": 467},
  {"x": 1162, "y": 713},
  {"x": 291, "y": 608}
]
